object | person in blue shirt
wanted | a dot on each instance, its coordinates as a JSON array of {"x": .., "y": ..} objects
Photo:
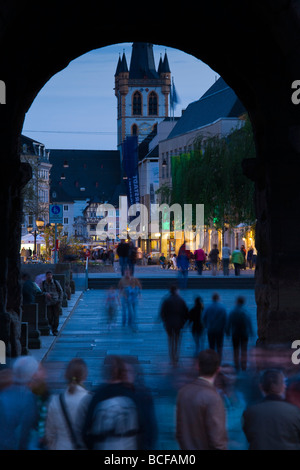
[{"x": 214, "y": 320}]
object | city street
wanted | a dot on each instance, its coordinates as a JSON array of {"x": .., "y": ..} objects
[{"x": 85, "y": 334}]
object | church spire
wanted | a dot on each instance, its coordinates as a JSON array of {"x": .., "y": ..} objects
[{"x": 142, "y": 63}]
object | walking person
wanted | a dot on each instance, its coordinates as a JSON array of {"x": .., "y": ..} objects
[
  {"x": 123, "y": 252},
  {"x": 243, "y": 251},
  {"x": 272, "y": 424},
  {"x": 66, "y": 411},
  {"x": 239, "y": 326},
  {"x": 112, "y": 303},
  {"x": 200, "y": 412},
  {"x": 128, "y": 287},
  {"x": 250, "y": 257},
  {"x": 113, "y": 418},
  {"x": 19, "y": 412},
  {"x": 195, "y": 319},
  {"x": 54, "y": 297},
  {"x": 200, "y": 258},
  {"x": 225, "y": 259},
  {"x": 132, "y": 257},
  {"x": 214, "y": 258},
  {"x": 133, "y": 296},
  {"x": 237, "y": 259},
  {"x": 214, "y": 320},
  {"x": 183, "y": 265},
  {"x": 174, "y": 314}
]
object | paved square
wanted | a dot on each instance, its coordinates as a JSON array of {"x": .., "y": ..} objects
[{"x": 86, "y": 335}]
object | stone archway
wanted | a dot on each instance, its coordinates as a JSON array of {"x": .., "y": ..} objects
[{"x": 254, "y": 46}]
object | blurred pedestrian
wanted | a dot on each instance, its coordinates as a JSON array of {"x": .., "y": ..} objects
[
  {"x": 132, "y": 257},
  {"x": 239, "y": 326},
  {"x": 29, "y": 289},
  {"x": 162, "y": 261},
  {"x": 148, "y": 423},
  {"x": 54, "y": 297},
  {"x": 129, "y": 289},
  {"x": 237, "y": 259},
  {"x": 225, "y": 259},
  {"x": 272, "y": 424},
  {"x": 112, "y": 303},
  {"x": 66, "y": 410},
  {"x": 214, "y": 320},
  {"x": 244, "y": 252},
  {"x": 18, "y": 406},
  {"x": 174, "y": 314},
  {"x": 123, "y": 252},
  {"x": 214, "y": 259},
  {"x": 183, "y": 265},
  {"x": 200, "y": 258},
  {"x": 200, "y": 413},
  {"x": 195, "y": 319},
  {"x": 250, "y": 257},
  {"x": 113, "y": 418}
]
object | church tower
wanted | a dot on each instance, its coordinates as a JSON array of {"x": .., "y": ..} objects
[{"x": 142, "y": 92}]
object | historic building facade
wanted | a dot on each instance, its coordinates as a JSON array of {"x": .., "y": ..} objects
[{"x": 142, "y": 92}]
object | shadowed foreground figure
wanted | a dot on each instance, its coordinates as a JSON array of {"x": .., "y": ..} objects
[
  {"x": 174, "y": 314},
  {"x": 273, "y": 424},
  {"x": 200, "y": 417}
]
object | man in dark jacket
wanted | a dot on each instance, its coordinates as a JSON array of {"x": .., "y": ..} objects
[
  {"x": 240, "y": 327},
  {"x": 214, "y": 320},
  {"x": 174, "y": 314},
  {"x": 273, "y": 424},
  {"x": 123, "y": 253},
  {"x": 200, "y": 412}
]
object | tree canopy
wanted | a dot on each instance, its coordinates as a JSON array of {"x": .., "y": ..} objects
[{"x": 212, "y": 175}]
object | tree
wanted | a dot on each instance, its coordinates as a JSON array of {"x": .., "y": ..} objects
[{"x": 212, "y": 175}]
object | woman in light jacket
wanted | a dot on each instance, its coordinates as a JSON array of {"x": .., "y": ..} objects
[{"x": 76, "y": 399}]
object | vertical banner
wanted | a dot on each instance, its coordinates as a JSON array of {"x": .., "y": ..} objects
[{"x": 130, "y": 167}]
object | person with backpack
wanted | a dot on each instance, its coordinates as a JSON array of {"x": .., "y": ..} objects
[
  {"x": 54, "y": 297},
  {"x": 114, "y": 415}
]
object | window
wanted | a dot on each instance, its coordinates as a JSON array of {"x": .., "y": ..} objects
[
  {"x": 66, "y": 208},
  {"x": 152, "y": 104},
  {"x": 134, "y": 129},
  {"x": 137, "y": 103},
  {"x": 66, "y": 220}
]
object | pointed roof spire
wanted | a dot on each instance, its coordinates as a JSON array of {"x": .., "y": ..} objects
[
  {"x": 160, "y": 65},
  {"x": 165, "y": 66},
  {"x": 142, "y": 61},
  {"x": 118, "y": 66},
  {"x": 124, "y": 67}
]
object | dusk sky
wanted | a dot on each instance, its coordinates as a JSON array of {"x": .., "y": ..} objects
[{"x": 77, "y": 108}]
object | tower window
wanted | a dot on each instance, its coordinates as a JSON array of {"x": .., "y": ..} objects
[
  {"x": 137, "y": 103},
  {"x": 152, "y": 104},
  {"x": 134, "y": 129}
]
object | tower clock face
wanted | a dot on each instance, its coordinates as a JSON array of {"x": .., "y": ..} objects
[{"x": 145, "y": 127}]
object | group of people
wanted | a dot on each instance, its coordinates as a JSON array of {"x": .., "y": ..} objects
[
  {"x": 238, "y": 257},
  {"x": 51, "y": 288},
  {"x": 213, "y": 319},
  {"x": 120, "y": 413},
  {"x": 127, "y": 253}
]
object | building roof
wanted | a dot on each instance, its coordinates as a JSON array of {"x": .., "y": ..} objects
[
  {"x": 90, "y": 174},
  {"x": 142, "y": 63},
  {"x": 218, "y": 102}
]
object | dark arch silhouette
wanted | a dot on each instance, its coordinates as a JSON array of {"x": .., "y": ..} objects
[{"x": 253, "y": 45}]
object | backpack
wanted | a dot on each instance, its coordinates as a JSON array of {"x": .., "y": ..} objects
[{"x": 115, "y": 424}]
